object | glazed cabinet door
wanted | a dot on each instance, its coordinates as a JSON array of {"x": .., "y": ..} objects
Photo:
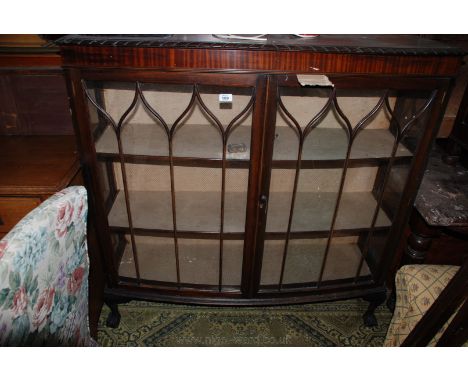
[
  {"x": 172, "y": 159},
  {"x": 345, "y": 160}
]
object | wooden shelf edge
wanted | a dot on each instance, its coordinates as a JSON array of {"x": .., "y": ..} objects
[
  {"x": 240, "y": 235},
  {"x": 245, "y": 163},
  {"x": 119, "y": 223}
]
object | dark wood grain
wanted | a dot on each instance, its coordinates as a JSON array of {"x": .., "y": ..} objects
[
  {"x": 259, "y": 181},
  {"x": 8, "y": 113},
  {"x": 13, "y": 209},
  {"x": 36, "y": 165},
  {"x": 34, "y": 104},
  {"x": 32, "y": 169},
  {"x": 33, "y": 96},
  {"x": 42, "y": 104},
  {"x": 240, "y": 60},
  {"x": 47, "y": 61},
  {"x": 204, "y": 297}
]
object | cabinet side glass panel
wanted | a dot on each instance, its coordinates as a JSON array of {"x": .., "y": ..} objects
[
  {"x": 370, "y": 143},
  {"x": 410, "y": 117}
]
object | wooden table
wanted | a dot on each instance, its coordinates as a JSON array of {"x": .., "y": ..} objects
[
  {"x": 439, "y": 221},
  {"x": 32, "y": 169}
]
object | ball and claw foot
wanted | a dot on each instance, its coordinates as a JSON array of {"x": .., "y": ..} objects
[
  {"x": 113, "y": 319},
  {"x": 370, "y": 320},
  {"x": 375, "y": 300}
]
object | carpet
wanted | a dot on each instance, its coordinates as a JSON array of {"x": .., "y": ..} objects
[{"x": 321, "y": 324}]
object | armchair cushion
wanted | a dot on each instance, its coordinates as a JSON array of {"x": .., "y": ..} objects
[
  {"x": 44, "y": 274},
  {"x": 417, "y": 287}
]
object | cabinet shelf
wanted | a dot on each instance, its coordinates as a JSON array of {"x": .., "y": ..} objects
[
  {"x": 324, "y": 148},
  {"x": 199, "y": 261},
  {"x": 304, "y": 262},
  {"x": 314, "y": 210},
  {"x": 198, "y": 214}
]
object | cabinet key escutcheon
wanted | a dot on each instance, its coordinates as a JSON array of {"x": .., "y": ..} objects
[{"x": 263, "y": 203}]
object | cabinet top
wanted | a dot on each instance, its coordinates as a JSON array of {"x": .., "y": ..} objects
[
  {"x": 354, "y": 44},
  {"x": 350, "y": 54}
]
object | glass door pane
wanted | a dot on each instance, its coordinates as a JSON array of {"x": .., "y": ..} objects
[
  {"x": 176, "y": 161},
  {"x": 340, "y": 162}
]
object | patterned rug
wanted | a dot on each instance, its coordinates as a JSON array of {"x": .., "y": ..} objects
[{"x": 323, "y": 324}]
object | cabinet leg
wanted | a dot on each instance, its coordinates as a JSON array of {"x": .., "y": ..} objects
[
  {"x": 417, "y": 247},
  {"x": 391, "y": 301},
  {"x": 113, "y": 319},
  {"x": 420, "y": 239},
  {"x": 374, "y": 301}
]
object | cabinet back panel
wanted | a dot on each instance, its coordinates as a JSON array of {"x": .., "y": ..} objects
[
  {"x": 199, "y": 260},
  {"x": 143, "y": 177},
  {"x": 171, "y": 104}
]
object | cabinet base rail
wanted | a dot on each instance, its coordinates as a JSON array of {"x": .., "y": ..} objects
[{"x": 375, "y": 295}]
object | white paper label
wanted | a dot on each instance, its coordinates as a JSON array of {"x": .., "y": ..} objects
[
  {"x": 314, "y": 80},
  {"x": 225, "y": 98}
]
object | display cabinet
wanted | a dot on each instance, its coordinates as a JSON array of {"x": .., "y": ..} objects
[{"x": 273, "y": 172}]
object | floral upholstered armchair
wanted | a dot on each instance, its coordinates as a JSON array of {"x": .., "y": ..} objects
[{"x": 44, "y": 275}]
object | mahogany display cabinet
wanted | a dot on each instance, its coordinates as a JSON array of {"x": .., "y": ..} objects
[{"x": 269, "y": 172}]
